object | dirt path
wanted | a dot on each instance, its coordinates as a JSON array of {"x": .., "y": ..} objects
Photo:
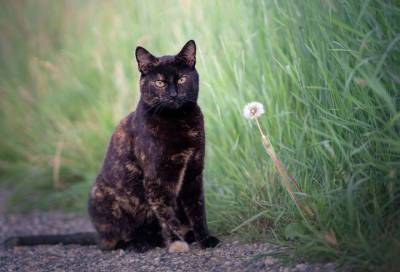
[{"x": 230, "y": 256}]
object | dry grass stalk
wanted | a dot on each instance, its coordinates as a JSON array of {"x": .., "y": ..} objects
[{"x": 57, "y": 165}]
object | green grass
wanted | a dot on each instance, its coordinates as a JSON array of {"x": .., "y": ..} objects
[{"x": 327, "y": 72}]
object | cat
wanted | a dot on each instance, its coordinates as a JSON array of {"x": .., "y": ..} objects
[
  {"x": 149, "y": 191},
  {"x": 150, "y": 188}
]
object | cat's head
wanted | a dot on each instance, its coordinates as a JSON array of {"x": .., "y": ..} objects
[{"x": 168, "y": 81}]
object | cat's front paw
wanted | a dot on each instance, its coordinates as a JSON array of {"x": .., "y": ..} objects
[
  {"x": 210, "y": 241},
  {"x": 178, "y": 247}
]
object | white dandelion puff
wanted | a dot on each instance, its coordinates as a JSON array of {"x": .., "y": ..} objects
[{"x": 253, "y": 110}]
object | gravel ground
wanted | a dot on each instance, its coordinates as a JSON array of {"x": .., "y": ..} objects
[{"x": 229, "y": 256}]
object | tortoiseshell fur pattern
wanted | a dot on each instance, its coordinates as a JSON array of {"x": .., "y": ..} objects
[{"x": 149, "y": 191}]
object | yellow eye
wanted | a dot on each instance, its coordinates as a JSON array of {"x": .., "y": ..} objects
[
  {"x": 182, "y": 80},
  {"x": 160, "y": 83}
]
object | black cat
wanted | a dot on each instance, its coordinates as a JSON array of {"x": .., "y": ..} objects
[{"x": 149, "y": 191}]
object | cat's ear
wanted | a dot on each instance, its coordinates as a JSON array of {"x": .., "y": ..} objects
[
  {"x": 145, "y": 59},
  {"x": 188, "y": 54}
]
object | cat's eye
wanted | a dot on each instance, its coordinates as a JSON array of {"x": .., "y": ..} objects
[
  {"x": 160, "y": 83},
  {"x": 182, "y": 80}
]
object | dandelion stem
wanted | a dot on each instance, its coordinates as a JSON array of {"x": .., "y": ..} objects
[{"x": 283, "y": 172}]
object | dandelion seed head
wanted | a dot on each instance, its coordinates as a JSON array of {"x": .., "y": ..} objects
[{"x": 253, "y": 110}]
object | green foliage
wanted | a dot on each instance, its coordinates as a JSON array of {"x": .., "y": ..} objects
[{"x": 327, "y": 72}]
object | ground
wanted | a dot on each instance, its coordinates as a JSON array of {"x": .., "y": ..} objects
[{"x": 231, "y": 255}]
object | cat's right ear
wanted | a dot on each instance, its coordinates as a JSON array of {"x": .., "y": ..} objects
[{"x": 145, "y": 59}]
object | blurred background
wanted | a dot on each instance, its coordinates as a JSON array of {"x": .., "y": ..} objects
[{"x": 328, "y": 73}]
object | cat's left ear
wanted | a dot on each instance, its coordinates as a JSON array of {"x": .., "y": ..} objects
[
  {"x": 188, "y": 54},
  {"x": 145, "y": 59}
]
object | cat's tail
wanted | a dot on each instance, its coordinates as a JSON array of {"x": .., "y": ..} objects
[{"x": 80, "y": 238}]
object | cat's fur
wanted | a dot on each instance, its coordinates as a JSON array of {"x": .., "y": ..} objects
[
  {"x": 149, "y": 191},
  {"x": 150, "y": 188}
]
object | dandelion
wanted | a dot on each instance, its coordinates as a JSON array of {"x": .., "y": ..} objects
[{"x": 252, "y": 111}]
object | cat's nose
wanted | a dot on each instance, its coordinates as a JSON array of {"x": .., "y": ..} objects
[{"x": 173, "y": 93}]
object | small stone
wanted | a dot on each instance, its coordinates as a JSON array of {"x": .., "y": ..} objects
[{"x": 269, "y": 260}]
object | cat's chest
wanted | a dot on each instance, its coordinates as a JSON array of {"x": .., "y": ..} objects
[
  {"x": 169, "y": 148},
  {"x": 182, "y": 131}
]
